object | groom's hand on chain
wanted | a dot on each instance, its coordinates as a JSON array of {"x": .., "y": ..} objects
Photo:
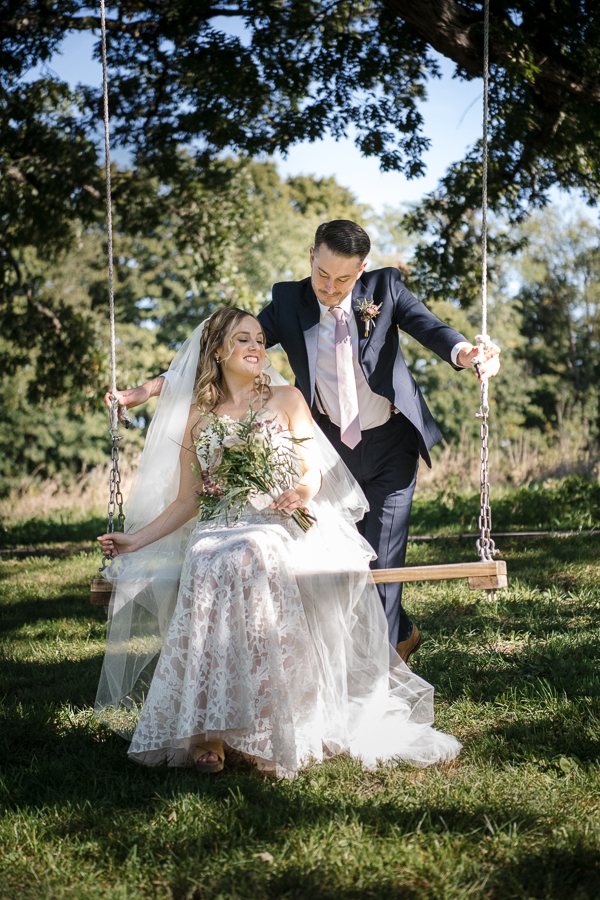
[
  {"x": 289, "y": 501},
  {"x": 486, "y": 369}
]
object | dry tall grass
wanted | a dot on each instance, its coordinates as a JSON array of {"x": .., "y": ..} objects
[
  {"x": 455, "y": 469},
  {"x": 79, "y": 498},
  {"x": 456, "y": 466}
]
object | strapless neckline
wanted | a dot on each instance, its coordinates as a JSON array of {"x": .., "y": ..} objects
[{"x": 260, "y": 417}]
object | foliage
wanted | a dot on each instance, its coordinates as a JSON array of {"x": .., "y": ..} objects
[
  {"x": 446, "y": 227},
  {"x": 259, "y": 77},
  {"x": 262, "y": 76},
  {"x": 174, "y": 252},
  {"x": 514, "y": 816},
  {"x": 566, "y": 504},
  {"x": 178, "y": 74},
  {"x": 290, "y": 211},
  {"x": 182, "y": 248},
  {"x": 560, "y": 302},
  {"x": 542, "y": 311}
]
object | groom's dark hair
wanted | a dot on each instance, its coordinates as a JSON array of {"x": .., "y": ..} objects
[{"x": 344, "y": 237}]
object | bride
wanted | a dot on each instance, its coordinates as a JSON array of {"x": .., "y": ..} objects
[{"x": 251, "y": 633}]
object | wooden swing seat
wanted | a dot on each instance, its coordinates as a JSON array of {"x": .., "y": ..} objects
[{"x": 482, "y": 576}]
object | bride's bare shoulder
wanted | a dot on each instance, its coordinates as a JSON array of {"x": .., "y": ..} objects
[
  {"x": 198, "y": 420},
  {"x": 286, "y": 395}
]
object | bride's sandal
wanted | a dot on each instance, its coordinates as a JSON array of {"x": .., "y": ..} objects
[{"x": 205, "y": 749}]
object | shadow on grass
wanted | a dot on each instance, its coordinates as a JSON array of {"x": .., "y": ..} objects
[
  {"x": 53, "y": 529},
  {"x": 75, "y": 606},
  {"x": 117, "y": 804},
  {"x": 550, "y": 738},
  {"x": 556, "y": 876},
  {"x": 35, "y": 686},
  {"x": 571, "y": 669}
]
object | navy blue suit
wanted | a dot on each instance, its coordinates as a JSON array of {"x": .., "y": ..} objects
[{"x": 385, "y": 461}]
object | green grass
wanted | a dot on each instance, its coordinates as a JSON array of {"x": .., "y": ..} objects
[
  {"x": 570, "y": 504},
  {"x": 566, "y": 504},
  {"x": 517, "y": 815}
]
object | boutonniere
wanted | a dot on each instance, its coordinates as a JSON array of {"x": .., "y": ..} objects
[{"x": 368, "y": 312}]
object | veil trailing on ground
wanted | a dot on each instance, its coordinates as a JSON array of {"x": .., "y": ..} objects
[{"x": 364, "y": 684}]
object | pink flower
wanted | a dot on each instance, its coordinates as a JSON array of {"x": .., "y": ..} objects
[
  {"x": 209, "y": 487},
  {"x": 371, "y": 310}
]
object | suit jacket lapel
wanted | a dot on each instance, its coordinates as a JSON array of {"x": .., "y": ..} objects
[
  {"x": 309, "y": 314},
  {"x": 358, "y": 294}
]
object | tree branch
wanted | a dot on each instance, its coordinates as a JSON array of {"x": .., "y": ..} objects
[
  {"x": 17, "y": 175},
  {"x": 457, "y": 33},
  {"x": 11, "y": 28},
  {"x": 44, "y": 310}
]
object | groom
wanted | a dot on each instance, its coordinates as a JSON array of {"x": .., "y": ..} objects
[{"x": 339, "y": 328}]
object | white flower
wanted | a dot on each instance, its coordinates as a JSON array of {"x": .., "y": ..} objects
[
  {"x": 233, "y": 440},
  {"x": 216, "y": 458}
]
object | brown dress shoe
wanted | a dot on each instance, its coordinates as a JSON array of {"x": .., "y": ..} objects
[{"x": 412, "y": 643}]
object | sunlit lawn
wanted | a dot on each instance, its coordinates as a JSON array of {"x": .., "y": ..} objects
[{"x": 516, "y": 816}]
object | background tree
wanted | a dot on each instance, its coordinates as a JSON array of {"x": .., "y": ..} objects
[
  {"x": 560, "y": 303},
  {"x": 196, "y": 228},
  {"x": 180, "y": 251},
  {"x": 307, "y": 68},
  {"x": 178, "y": 78}
]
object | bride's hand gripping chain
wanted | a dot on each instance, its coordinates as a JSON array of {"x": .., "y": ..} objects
[{"x": 180, "y": 511}]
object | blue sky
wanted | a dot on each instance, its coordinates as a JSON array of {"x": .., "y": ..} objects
[{"x": 452, "y": 114}]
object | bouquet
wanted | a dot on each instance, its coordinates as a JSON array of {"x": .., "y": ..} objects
[{"x": 241, "y": 463}]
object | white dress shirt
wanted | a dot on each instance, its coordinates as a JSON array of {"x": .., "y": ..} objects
[{"x": 373, "y": 410}]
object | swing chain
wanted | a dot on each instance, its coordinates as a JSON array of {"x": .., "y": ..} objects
[
  {"x": 115, "y": 499},
  {"x": 485, "y": 543}
]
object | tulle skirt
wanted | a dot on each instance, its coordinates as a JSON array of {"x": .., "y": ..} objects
[{"x": 278, "y": 645}]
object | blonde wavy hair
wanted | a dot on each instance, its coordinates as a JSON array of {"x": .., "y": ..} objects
[{"x": 217, "y": 336}]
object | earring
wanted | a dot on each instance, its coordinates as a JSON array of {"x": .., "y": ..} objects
[{"x": 217, "y": 359}]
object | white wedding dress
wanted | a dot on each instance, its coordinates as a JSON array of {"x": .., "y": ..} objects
[{"x": 278, "y": 645}]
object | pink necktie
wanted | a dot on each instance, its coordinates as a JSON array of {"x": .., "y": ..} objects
[{"x": 349, "y": 421}]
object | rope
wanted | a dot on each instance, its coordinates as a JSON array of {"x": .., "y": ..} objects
[
  {"x": 115, "y": 501},
  {"x": 485, "y": 544},
  {"x": 111, "y": 276},
  {"x": 486, "y": 68}
]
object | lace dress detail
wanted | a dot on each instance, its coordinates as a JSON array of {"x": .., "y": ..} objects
[
  {"x": 275, "y": 652},
  {"x": 237, "y": 663}
]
